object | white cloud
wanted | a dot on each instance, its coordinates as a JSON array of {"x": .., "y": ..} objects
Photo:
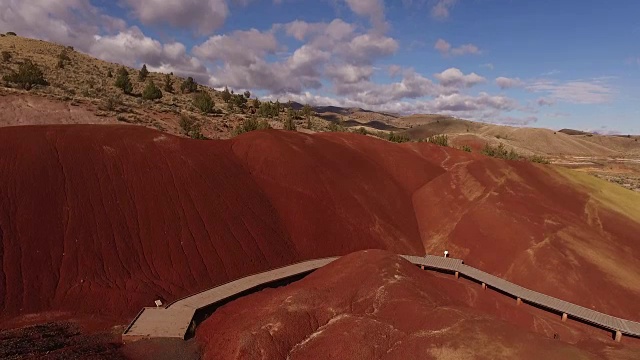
[
  {"x": 202, "y": 16},
  {"x": 446, "y": 49},
  {"x": 507, "y": 83},
  {"x": 240, "y": 48},
  {"x": 594, "y": 91},
  {"x": 441, "y": 10},
  {"x": 372, "y": 9},
  {"x": 453, "y": 77}
]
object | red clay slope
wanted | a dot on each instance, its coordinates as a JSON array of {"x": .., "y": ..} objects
[
  {"x": 106, "y": 219},
  {"x": 375, "y": 305},
  {"x": 530, "y": 225}
]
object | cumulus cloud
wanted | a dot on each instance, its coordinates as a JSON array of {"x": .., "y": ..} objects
[
  {"x": 349, "y": 74},
  {"x": 446, "y": 49},
  {"x": 453, "y": 77},
  {"x": 372, "y": 9},
  {"x": 68, "y": 22},
  {"x": 441, "y": 9},
  {"x": 594, "y": 91},
  {"x": 411, "y": 86},
  {"x": 240, "y": 48},
  {"x": 203, "y": 16},
  {"x": 507, "y": 83}
]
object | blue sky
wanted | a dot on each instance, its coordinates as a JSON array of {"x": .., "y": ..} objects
[{"x": 543, "y": 63}]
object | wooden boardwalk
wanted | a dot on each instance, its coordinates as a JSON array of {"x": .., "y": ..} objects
[{"x": 176, "y": 319}]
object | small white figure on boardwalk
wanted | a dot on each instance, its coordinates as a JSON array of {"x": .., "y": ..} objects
[
  {"x": 158, "y": 303},
  {"x": 446, "y": 253}
]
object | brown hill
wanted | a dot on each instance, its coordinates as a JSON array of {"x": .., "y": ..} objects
[
  {"x": 374, "y": 305},
  {"x": 526, "y": 141},
  {"x": 83, "y": 86}
]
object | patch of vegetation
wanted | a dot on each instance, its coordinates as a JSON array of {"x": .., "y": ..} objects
[
  {"x": 11, "y": 33},
  {"x": 6, "y": 56},
  {"x": 289, "y": 121},
  {"x": 111, "y": 103},
  {"x": 28, "y": 75},
  {"x": 123, "y": 82},
  {"x": 151, "y": 91},
  {"x": 251, "y": 124},
  {"x": 238, "y": 101},
  {"x": 361, "y": 131},
  {"x": 247, "y": 94},
  {"x": 500, "y": 152},
  {"x": 397, "y": 138},
  {"x": 203, "y": 102},
  {"x": 441, "y": 140},
  {"x": 142, "y": 75},
  {"x": 168, "y": 84},
  {"x": 466, "y": 148},
  {"x": 539, "y": 159},
  {"x": 109, "y": 73},
  {"x": 226, "y": 95},
  {"x": 189, "y": 86},
  {"x": 191, "y": 127},
  {"x": 267, "y": 109}
]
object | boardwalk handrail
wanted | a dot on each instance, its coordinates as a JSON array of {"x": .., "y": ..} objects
[
  {"x": 246, "y": 276},
  {"x": 178, "y": 320}
]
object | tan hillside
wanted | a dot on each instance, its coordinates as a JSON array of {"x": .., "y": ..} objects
[{"x": 83, "y": 89}]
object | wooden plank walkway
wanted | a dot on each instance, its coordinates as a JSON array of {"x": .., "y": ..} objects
[{"x": 175, "y": 320}]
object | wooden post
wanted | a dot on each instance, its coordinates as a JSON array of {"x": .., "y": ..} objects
[
  {"x": 618, "y": 336},
  {"x": 518, "y": 301},
  {"x": 564, "y": 317},
  {"x": 457, "y": 275},
  {"x": 484, "y": 286}
]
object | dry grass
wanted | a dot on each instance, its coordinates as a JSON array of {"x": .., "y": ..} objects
[{"x": 83, "y": 81}]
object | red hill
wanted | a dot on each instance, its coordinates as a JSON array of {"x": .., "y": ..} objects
[{"x": 106, "y": 219}]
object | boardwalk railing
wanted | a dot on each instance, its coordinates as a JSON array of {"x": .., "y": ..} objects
[{"x": 176, "y": 319}]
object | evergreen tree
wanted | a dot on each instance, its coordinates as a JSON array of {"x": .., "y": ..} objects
[
  {"x": 142, "y": 76},
  {"x": 168, "y": 83},
  {"x": 123, "y": 82},
  {"x": 226, "y": 95},
  {"x": 189, "y": 85},
  {"x": 151, "y": 91}
]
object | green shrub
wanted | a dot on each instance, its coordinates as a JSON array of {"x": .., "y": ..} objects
[
  {"x": 397, "y": 138},
  {"x": 151, "y": 91},
  {"x": 142, "y": 75},
  {"x": 442, "y": 140},
  {"x": 361, "y": 131},
  {"x": 6, "y": 56},
  {"x": 189, "y": 85},
  {"x": 226, "y": 95},
  {"x": 191, "y": 127},
  {"x": 111, "y": 103},
  {"x": 539, "y": 159},
  {"x": 11, "y": 33},
  {"x": 123, "y": 82},
  {"x": 203, "y": 102},
  {"x": 466, "y": 148},
  {"x": 251, "y": 124},
  {"x": 500, "y": 152},
  {"x": 289, "y": 122},
  {"x": 28, "y": 75},
  {"x": 168, "y": 84},
  {"x": 64, "y": 56}
]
